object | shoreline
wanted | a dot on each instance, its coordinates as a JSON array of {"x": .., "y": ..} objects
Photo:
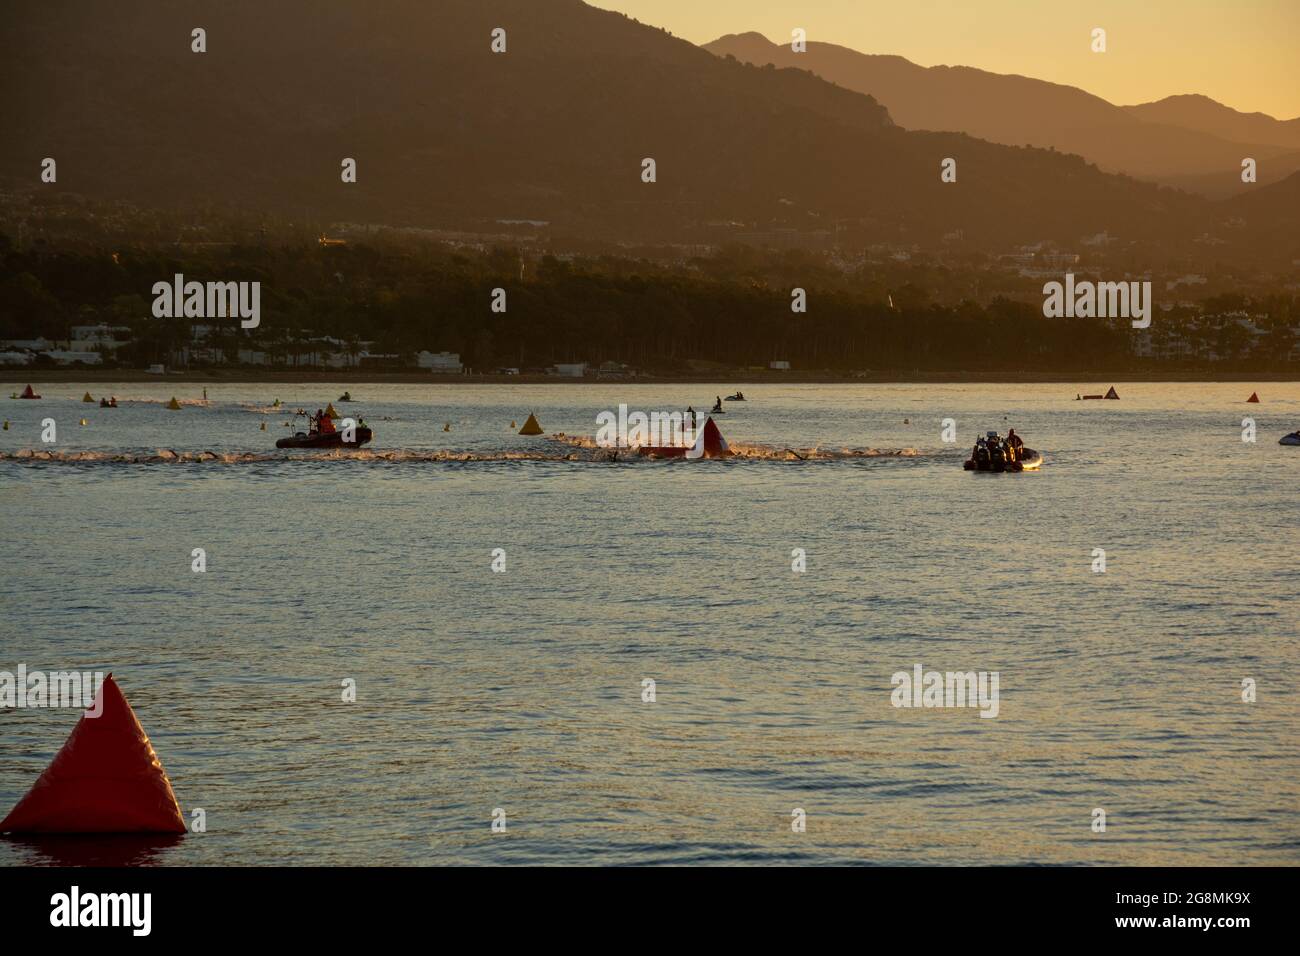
[{"x": 742, "y": 380}]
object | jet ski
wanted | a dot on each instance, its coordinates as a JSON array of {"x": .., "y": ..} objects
[
  {"x": 1291, "y": 439},
  {"x": 332, "y": 439},
  {"x": 738, "y": 397}
]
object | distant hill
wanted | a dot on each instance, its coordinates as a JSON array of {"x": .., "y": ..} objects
[
  {"x": 1193, "y": 111},
  {"x": 1267, "y": 218},
  {"x": 446, "y": 133},
  {"x": 1190, "y": 146}
]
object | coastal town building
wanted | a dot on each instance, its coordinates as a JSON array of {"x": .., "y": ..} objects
[
  {"x": 101, "y": 337},
  {"x": 569, "y": 369},
  {"x": 443, "y": 362}
]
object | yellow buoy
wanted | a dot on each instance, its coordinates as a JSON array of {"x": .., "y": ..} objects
[
  {"x": 263, "y": 426},
  {"x": 83, "y": 421},
  {"x": 174, "y": 405},
  {"x": 87, "y": 398},
  {"x": 6, "y": 424},
  {"x": 447, "y": 427},
  {"x": 531, "y": 427},
  {"x": 512, "y": 423}
]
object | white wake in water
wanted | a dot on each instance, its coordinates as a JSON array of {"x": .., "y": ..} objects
[
  {"x": 570, "y": 448},
  {"x": 758, "y": 450}
]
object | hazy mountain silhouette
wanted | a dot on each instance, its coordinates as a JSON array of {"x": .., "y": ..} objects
[
  {"x": 447, "y": 133},
  {"x": 1194, "y": 111},
  {"x": 1267, "y": 217},
  {"x": 1189, "y": 146},
  {"x": 1202, "y": 114}
]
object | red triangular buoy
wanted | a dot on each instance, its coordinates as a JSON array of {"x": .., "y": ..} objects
[
  {"x": 715, "y": 446},
  {"x": 1254, "y": 397},
  {"x": 28, "y": 393},
  {"x": 1112, "y": 394},
  {"x": 106, "y": 779}
]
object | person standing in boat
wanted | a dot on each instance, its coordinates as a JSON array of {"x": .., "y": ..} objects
[{"x": 1014, "y": 446}]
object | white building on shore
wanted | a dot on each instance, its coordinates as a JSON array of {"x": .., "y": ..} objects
[
  {"x": 440, "y": 362},
  {"x": 569, "y": 369}
]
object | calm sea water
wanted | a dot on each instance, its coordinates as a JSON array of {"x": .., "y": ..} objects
[{"x": 522, "y": 690}]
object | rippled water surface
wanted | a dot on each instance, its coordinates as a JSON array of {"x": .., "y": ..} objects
[{"x": 522, "y": 690}]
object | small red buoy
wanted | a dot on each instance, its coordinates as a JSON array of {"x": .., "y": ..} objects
[
  {"x": 1254, "y": 397},
  {"x": 106, "y": 779}
]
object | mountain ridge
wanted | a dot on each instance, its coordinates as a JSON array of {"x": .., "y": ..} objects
[
  {"x": 1200, "y": 112},
  {"x": 448, "y": 134},
  {"x": 1012, "y": 109}
]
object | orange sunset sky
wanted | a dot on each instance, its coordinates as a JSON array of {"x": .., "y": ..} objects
[{"x": 1240, "y": 52}]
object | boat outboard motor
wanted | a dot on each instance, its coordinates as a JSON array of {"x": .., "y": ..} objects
[{"x": 997, "y": 456}]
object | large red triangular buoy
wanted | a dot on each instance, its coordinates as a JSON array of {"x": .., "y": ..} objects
[
  {"x": 106, "y": 779},
  {"x": 28, "y": 393},
  {"x": 1254, "y": 397},
  {"x": 714, "y": 446}
]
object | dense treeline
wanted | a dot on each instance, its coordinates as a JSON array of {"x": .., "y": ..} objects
[{"x": 733, "y": 309}]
